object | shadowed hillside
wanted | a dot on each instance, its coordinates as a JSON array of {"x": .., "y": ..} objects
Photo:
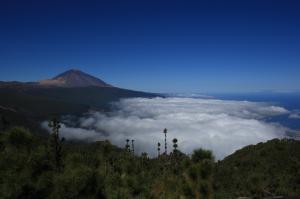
[
  {"x": 52, "y": 167},
  {"x": 76, "y": 93},
  {"x": 262, "y": 170}
]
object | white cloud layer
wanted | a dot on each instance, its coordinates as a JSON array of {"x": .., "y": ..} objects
[
  {"x": 295, "y": 115},
  {"x": 222, "y": 126}
]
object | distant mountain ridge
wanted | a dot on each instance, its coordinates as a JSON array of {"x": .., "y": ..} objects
[
  {"x": 74, "y": 78},
  {"x": 71, "y": 92}
]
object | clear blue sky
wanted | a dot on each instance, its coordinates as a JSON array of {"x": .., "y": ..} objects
[{"x": 159, "y": 46}]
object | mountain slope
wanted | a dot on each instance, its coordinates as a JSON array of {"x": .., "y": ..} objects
[
  {"x": 74, "y": 78},
  {"x": 262, "y": 170},
  {"x": 75, "y": 93}
]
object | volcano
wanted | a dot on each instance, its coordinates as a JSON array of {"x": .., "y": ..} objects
[
  {"x": 74, "y": 78},
  {"x": 71, "y": 92}
]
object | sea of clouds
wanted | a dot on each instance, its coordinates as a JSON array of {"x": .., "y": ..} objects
[{"x": 222, "y": 126}]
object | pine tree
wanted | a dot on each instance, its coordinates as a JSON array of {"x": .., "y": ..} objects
[
  {"x": 175, "y": 145},
  {"x": 127, "y": 146},
  {"x": 56, "y": 143},
  {"x": 132, "y": 146},
  {"x": 165, "y": 132},
  {"x": 158, "y": 149}
]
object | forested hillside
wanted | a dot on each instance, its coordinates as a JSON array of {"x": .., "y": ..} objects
[
  {"x": 265, "y": 169},
  {"x": 29, "y": 105},
  {"x": 52, "y": 167}
]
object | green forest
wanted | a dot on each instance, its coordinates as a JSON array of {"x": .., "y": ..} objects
[{"x": 48, "y": 166}]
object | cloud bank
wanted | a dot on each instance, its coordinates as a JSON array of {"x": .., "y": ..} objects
[
  {"x": 222, "y": 126},
  {"x": 295, "y": 115}
]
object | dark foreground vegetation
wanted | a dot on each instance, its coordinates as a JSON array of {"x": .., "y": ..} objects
[{"x": 51, "y": 167}]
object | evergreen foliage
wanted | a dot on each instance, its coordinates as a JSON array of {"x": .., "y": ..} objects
[
  {"x": 56, "y": 143},
  {"x": 263, "y": 170},
  {"x": 29, "y": 169}
]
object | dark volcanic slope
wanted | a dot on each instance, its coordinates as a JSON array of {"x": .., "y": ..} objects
[
  {"x": 72, "y": 92},
  {"x": 44, "y": 101}
]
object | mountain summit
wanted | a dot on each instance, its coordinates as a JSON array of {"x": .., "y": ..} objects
[{"x": 74, "y": 78}]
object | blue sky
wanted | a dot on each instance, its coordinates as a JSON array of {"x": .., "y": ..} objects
[{"x": 158, "y": 46}]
